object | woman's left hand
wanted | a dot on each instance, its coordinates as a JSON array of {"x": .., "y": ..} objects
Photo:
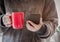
[{"x": 34, "y": 26}]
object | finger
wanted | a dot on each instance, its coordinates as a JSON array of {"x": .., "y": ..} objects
[
  {"x": 9, "y": 14},
  {"x": 8, "y": 25},
  {"x": 33, "y": 24},
  {"x": 40, "y": 21},
  {"x": 29, "y": 27},
  {"x": 6, "y": 20}
]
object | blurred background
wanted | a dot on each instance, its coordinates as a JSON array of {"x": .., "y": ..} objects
[{"x": 56, "y": 36}]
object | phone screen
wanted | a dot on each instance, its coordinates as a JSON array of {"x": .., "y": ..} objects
[{"x": 35, "y": 18}]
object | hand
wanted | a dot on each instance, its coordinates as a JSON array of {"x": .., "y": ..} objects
[
  {"x": 6, "y": 20},
  {"x": 34, "y": 27}
]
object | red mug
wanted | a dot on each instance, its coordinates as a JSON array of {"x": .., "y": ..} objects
[{"x": 17, "y": 19}]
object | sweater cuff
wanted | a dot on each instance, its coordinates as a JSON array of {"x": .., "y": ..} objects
[
  {"x": 42, "y": 31},
  {"x": 2, "y": 21}
]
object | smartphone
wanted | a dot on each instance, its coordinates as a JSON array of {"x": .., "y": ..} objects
[{"x": 35, "y": 18}]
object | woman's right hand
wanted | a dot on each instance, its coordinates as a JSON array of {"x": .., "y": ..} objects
[{"x": 6, "y": 20}]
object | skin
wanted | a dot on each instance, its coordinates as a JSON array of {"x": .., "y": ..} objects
[
  {"x": 6, "y": 20},
  {"x": 32, "y": 28}
]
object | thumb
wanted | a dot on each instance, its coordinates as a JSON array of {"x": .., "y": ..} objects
[{"x": 33, "y": 24}]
